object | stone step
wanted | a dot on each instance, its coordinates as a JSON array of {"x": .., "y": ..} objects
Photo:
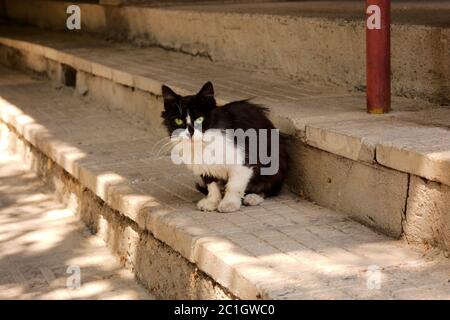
[
  {"x": 144, "y": 207},
  {"x": 390, "y": 172},
  {"x": 43, "y": 245},
  {"x": 321, "y": 41}
]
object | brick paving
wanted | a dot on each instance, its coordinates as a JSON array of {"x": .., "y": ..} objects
[
  {"x": 41, "y": 240},
  {"x": 287, "y": 248}
]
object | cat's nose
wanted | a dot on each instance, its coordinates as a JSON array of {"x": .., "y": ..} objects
[{"x": 191, "y": 130}]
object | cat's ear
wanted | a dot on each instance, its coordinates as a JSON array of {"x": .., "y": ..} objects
[
  {"x": 168, "y": 94},
  {"x": 207, "y": 90}
]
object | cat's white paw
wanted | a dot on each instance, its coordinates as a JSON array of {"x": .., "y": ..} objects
[
  {"x": 229, "y": 205},
  {"x": 252, "y": 199},
  {"x": 207, "y": 205}
]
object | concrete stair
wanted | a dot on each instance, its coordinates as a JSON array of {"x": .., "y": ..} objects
[
  {"x": 103, "y": 165},
  {"x": 41, "y": 238},
  {"x": 390, "y": 172},
  {"x": 98, "y": 143}
]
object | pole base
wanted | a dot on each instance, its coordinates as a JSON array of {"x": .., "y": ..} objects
[{"x": 377, "y": 111}]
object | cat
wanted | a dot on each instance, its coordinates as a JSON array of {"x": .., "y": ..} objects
[{"x": 226, "y": 185}]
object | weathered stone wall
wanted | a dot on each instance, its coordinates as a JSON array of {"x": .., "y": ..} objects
[
  {"x": 310, "y": 49},
  {"x": 370, "y": 194},
  {"x": 2, "y": 9},
  {"x": 428, "y": 213}
]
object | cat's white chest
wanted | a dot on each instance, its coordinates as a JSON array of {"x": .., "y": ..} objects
[
  {"x": 218, "y": 171},
  {"x": 214, "y": 155}
]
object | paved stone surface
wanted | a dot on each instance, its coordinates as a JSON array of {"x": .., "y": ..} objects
[
  {"x": 414, "y": 138},
  {"x": 41, "y": 239},
  {"x": 286, "y": 248}
]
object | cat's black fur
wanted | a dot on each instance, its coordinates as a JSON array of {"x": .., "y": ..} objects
[{"x": 235, "y": 115}]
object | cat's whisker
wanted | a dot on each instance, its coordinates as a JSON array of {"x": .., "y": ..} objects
[
  {"x": 162, "y": 140},
  {"x": 156, "y": 147},
  {"x": 164, "y": 147}
]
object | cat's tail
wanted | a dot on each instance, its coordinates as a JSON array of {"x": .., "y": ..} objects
[{"x": 202, "y": 188}]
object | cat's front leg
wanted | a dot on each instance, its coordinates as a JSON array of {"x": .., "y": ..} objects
[
  {"x": 212, "y": 200},
  {"x": 237, "y": 182}
]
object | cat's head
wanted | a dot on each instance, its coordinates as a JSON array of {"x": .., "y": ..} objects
[{"x": 188, "y": 114}]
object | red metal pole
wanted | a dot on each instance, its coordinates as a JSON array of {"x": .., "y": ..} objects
[{"x": 378, "y": 55}]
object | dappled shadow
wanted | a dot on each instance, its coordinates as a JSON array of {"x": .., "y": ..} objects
[
  {"x": 314, "y": 255},
  {"x": 40, "y": 238}
]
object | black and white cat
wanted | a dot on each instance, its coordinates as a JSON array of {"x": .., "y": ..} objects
[{"x": 191, "y": 119}]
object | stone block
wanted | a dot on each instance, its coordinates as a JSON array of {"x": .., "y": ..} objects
[
  {"x": 370, "y": 194},
  {"x": 428, "y": 213}
]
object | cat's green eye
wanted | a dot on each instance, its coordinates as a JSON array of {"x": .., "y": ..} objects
[
  {"x": 199, "y": 120},
  {"x": 178, "y": 121}
]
